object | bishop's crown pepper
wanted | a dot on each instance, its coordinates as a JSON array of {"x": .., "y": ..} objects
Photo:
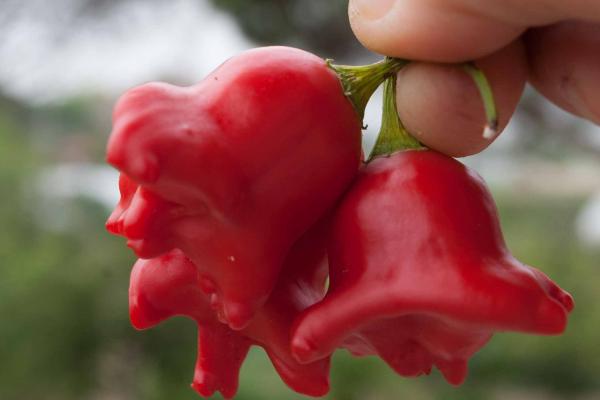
[
  {"x": 420, "y": 274},
  {"x": 219, "y": 180},
  {"x": 236, "y": 168}
]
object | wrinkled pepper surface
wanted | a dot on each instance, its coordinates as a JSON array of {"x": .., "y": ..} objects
[
  {"x": 235, "y": 169},
  {"x": 420, "y": 274},
  {"x": 170, "y": 285}
]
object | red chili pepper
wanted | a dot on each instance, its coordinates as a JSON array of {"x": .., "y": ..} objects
[
  {"x": 420, "y": 274},
  {"x": 171, "y": 285},
  {"x": 245, "y": 162},
  {"x": 233, "y": 171}
]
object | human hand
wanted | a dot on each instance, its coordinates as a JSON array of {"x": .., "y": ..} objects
[{"x": 554, "y": 44}]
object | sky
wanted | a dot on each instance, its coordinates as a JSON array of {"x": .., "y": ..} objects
[{"x": 122, "y": 46}]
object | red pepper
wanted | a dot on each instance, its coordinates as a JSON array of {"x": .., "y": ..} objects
[
  {"x": 171, "y": 285},
  {"x": 420, "y": 274},
  {"x": 219, "y": 181},
  {"x": 243, "y": 163}
]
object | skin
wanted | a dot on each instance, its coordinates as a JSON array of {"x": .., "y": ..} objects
[{"x": 552, "y": 44}]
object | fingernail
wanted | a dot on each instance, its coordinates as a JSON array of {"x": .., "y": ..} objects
[{"x": 370, "y": 9}]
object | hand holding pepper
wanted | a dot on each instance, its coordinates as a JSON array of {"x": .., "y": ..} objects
[
  {"x": 551, "y": 43},
  {"x": 227, "y": 188}
]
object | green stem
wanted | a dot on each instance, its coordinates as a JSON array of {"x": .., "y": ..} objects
[
  {"x": 392, "y": 135},
  {"x": 487, "y": 96},
  {"x": 360, "y": 82}
]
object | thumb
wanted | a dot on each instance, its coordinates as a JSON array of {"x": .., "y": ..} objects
[
  {"x": 427, "y": 30},
  {"x": 455, "y": 30}
]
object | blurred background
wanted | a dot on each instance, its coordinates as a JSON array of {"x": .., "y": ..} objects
[{"x": 64, "y": 328}]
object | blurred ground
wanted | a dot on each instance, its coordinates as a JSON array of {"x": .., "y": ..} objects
[{"x": 64, "y": 328}]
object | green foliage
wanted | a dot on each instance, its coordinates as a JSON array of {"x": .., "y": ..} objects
[{"x": 52, "y": 285}]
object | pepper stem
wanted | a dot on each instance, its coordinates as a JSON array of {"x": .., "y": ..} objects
[
  {"x": 487, "y": 96},
  {"x": 392, "y": 135},
  {"x": 360, "y": 82}
]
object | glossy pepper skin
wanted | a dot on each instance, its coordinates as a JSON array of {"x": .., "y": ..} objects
[
  {"x": 420, "y": 274},
  {"x": 242, "y": 164},
  {"x": 170, "y": 285}
]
